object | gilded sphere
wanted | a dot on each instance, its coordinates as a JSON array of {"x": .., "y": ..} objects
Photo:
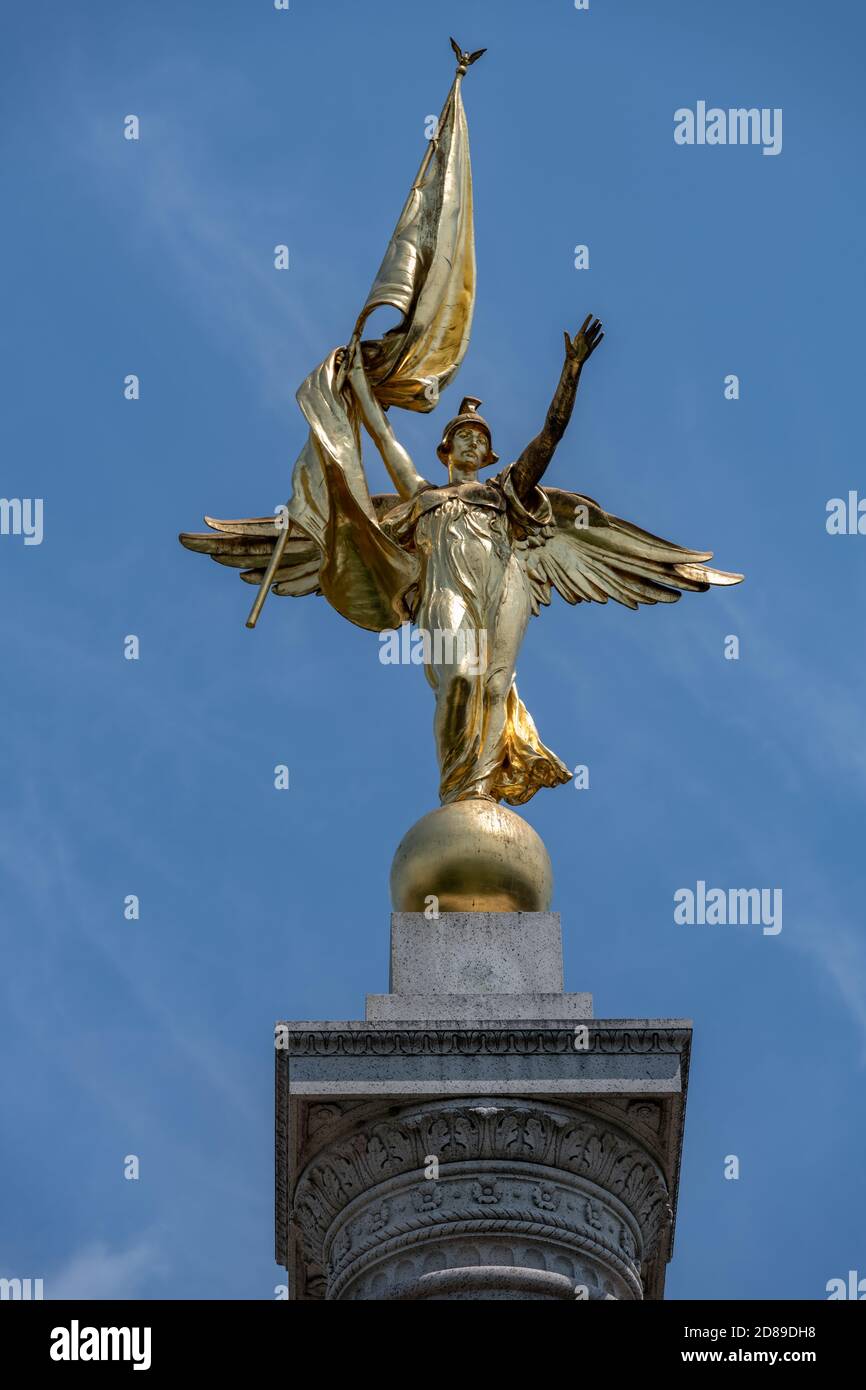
[{"x": 472, "y": 856}]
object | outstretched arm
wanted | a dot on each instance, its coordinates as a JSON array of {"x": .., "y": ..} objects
[
  {"x": 529, "y": 468},
  {"x": 404, "y": 475}
]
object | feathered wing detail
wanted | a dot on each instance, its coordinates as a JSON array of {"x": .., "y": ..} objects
[
  {"x": 589, "y": 556},
  {"x": 247, "y": 544}
]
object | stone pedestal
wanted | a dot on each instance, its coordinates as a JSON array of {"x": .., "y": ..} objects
[{"x": 479, "y": 1135}]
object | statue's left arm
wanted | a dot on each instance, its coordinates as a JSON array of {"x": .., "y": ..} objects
[{"x": 529, "y": 469}]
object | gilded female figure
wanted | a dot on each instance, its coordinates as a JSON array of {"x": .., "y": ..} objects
[
  {"x": 473, "y": 587},
  {"x": 469, "y": 560}
]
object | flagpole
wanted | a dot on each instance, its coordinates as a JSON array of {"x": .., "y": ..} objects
[
  {"x": 280, "y": 543},
  {"x": 464, "y": 62}
]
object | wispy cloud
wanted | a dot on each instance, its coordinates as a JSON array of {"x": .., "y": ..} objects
[
  {"x": 820, "y": 741},
  {"x": 98, "y": 1272},
  {"x": 37, "y": 860},
  {"x": 216, "y": 240}
]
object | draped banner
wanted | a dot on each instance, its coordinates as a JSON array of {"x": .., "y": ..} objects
[{"x": 428, "y": 275}]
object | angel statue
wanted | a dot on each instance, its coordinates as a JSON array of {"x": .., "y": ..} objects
[
  {"x": 488, "y": 553},
  {"x": 483, "y": 556},
  {"x": 469, "y": 559}
]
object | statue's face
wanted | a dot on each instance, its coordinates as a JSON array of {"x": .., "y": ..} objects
[{"x": 469, "y": 447}]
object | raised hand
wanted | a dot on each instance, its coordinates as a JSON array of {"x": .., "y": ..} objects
[
  {"x": 349, "y": 361},
  {"x": 585, "y": 341}
]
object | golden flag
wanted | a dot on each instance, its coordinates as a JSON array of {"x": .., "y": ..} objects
[{"x": 428, "y": 275}]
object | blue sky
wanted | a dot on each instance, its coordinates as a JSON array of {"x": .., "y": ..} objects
[{"x": 155, "y": 777}]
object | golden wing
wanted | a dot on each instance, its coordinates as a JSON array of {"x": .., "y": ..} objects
[
  {"x": 247, "y": 545},
  {"x": 590, "y": 556}
]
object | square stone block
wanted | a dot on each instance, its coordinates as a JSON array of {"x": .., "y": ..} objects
[
  {"x": 476, "y": 953},
  {"x": 444, "y": 1008}
]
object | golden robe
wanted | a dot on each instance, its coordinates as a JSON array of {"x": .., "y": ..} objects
[{"x": 473, "y": 601}]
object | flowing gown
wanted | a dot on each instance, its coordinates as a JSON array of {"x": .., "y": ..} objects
[{"x": 473, "y": 605}]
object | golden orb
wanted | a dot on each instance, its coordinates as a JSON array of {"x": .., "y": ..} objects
[{"x": 472, "y": 856}]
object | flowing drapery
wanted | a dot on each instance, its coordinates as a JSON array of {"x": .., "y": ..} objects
[{"x": 428, "y": 275}]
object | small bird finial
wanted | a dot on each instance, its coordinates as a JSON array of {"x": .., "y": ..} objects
[{"x": 465, "y": 60}]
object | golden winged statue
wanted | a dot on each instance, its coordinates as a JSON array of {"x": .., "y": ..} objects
[{"x": 469, "y": 560}]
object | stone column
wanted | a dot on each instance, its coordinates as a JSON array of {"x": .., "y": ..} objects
[{"x": 479, "y": 1135}]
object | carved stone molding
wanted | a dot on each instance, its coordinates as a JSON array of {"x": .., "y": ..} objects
[
  {"x": 546, "y": 1189},
  {"x": 491, "y": 1041},
  {"x": 579, "y": 1129},
  {"x": 533, "y": 1222}
]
